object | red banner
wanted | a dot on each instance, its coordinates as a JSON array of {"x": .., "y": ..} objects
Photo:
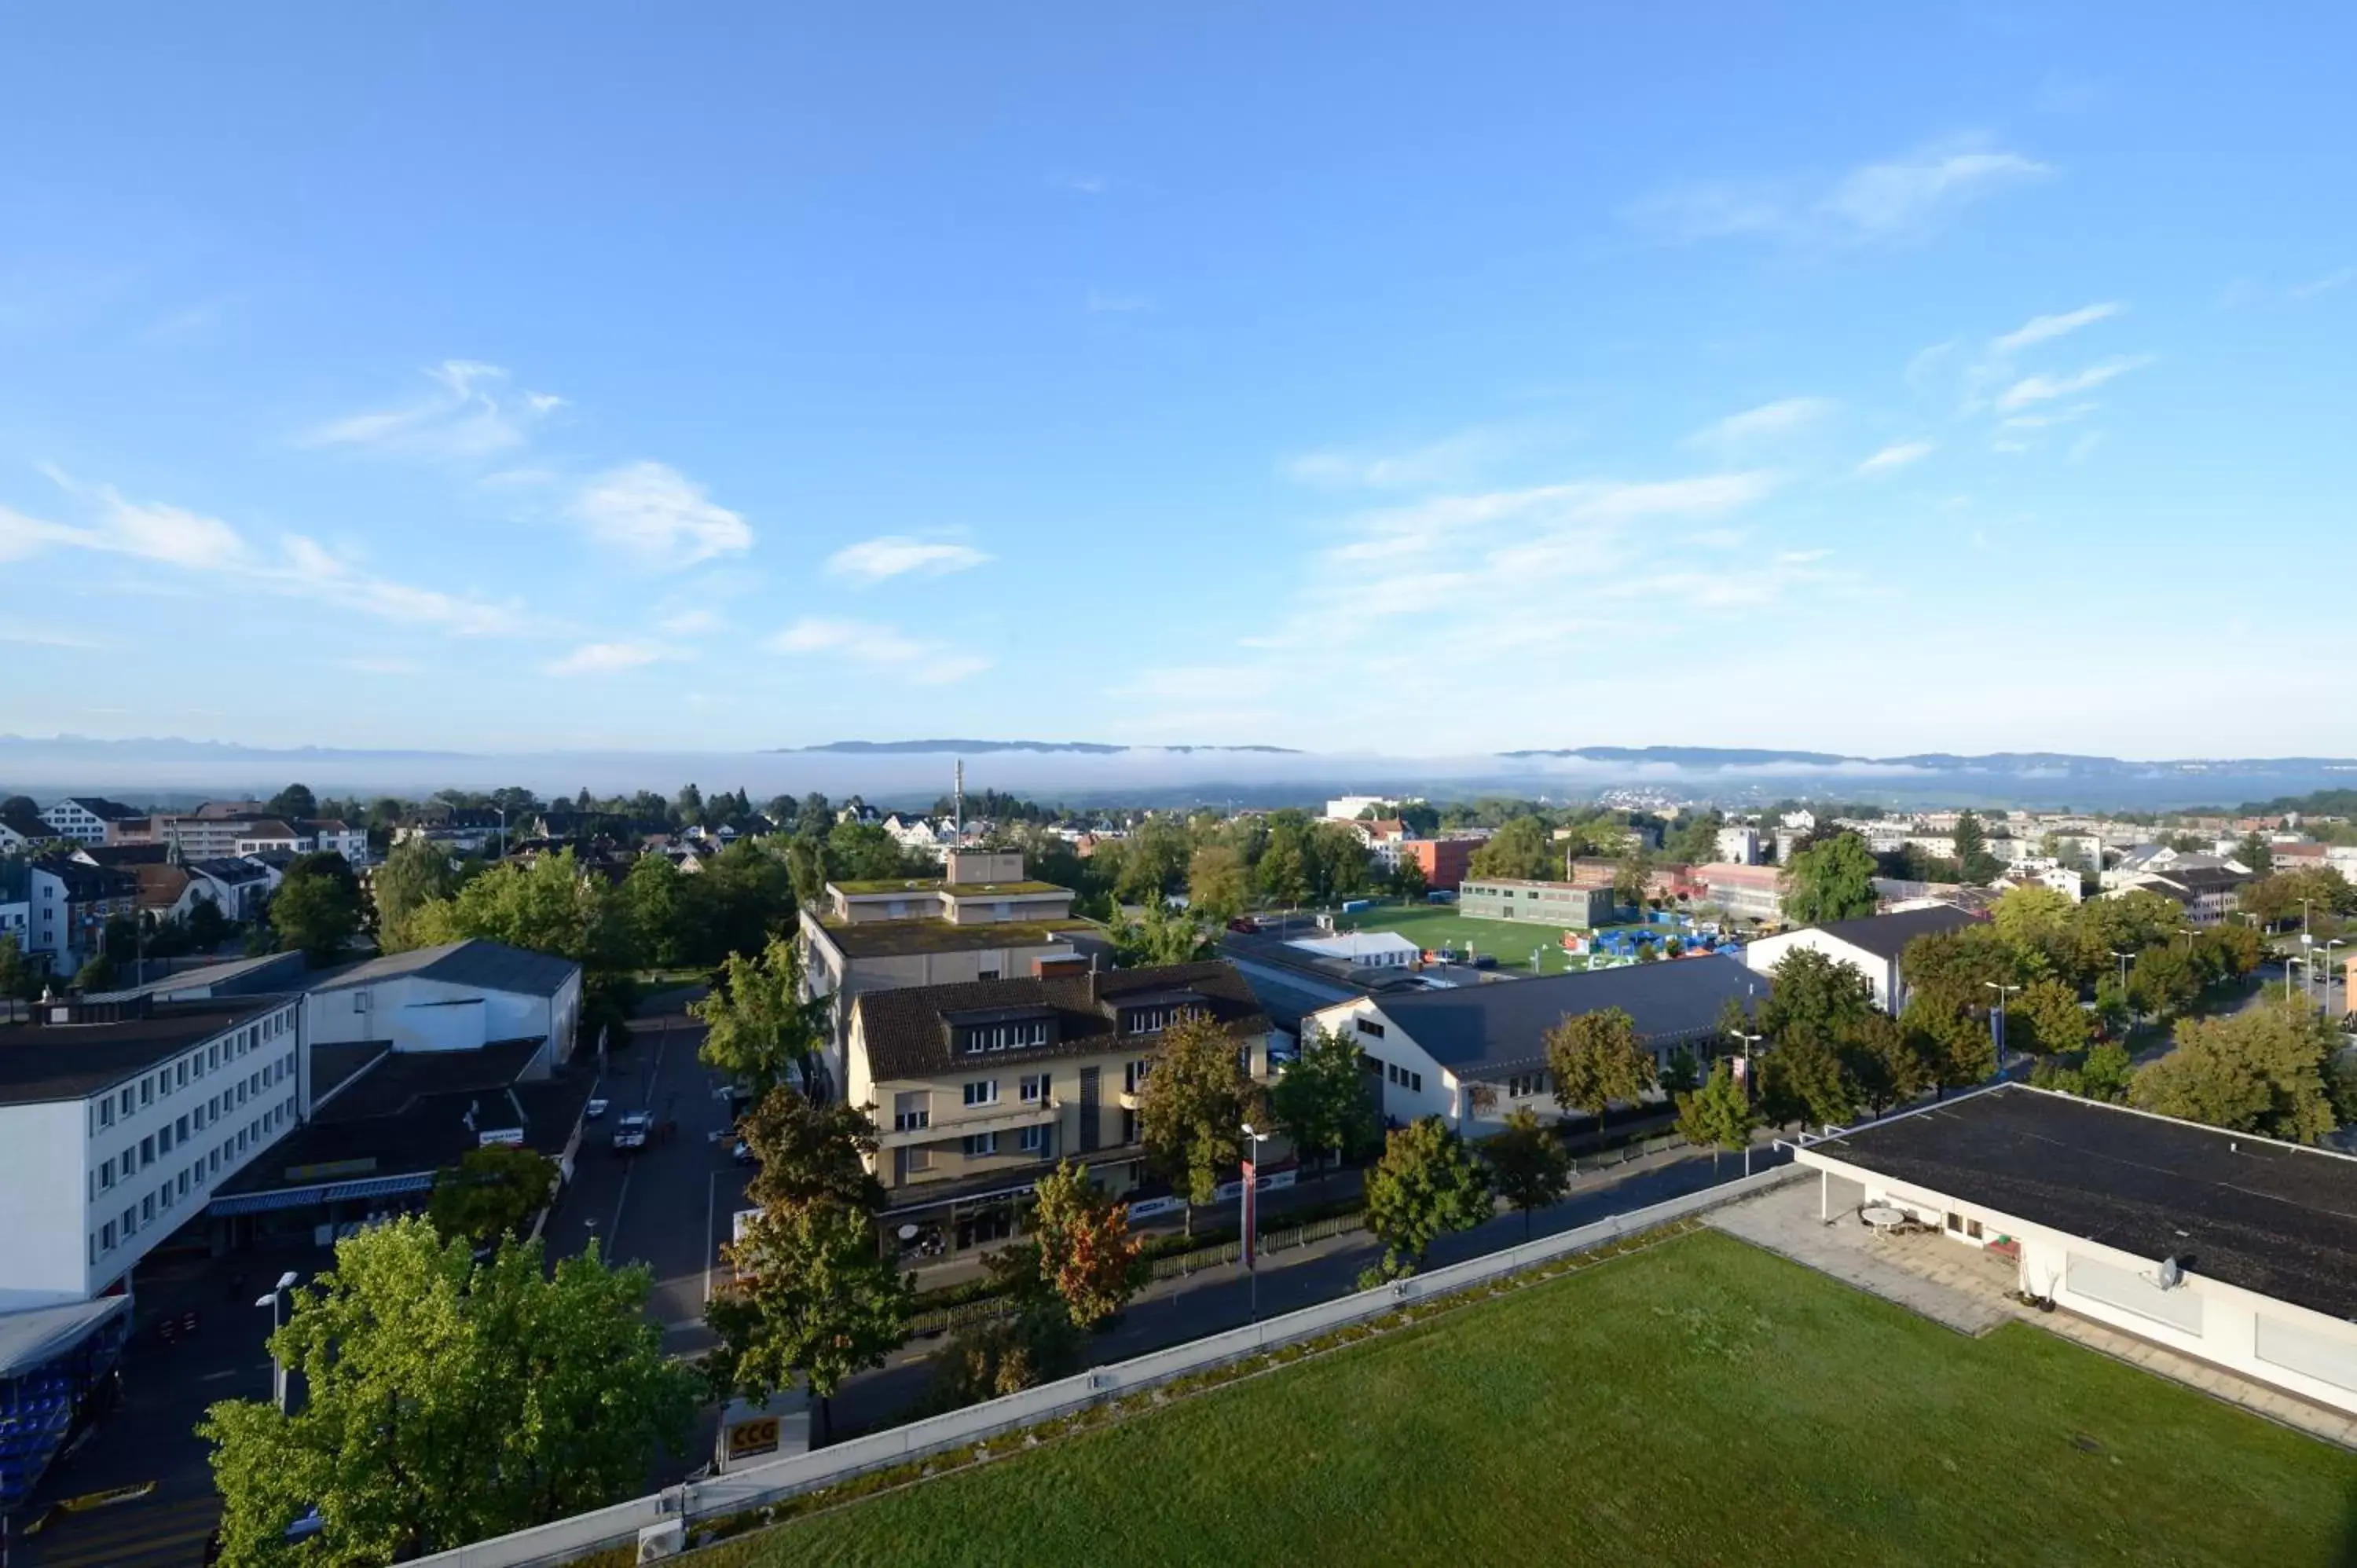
[{"x": 1251, "y": 1212}]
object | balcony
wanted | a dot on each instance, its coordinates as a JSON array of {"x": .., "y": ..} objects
[{"x": 1002, "y": 1117}]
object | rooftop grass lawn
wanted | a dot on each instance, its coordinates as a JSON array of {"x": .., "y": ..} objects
[{"x": 1699, "y": 1402}]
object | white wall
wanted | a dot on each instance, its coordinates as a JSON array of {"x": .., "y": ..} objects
[
  {"x": 418, "y": 1013},
  {"x": 41, "y": 1205},
  {"x": 2274, "y": 1342},
  {"x": 1440, "y": 1091},
  {"x": 1890, "y": 993}
]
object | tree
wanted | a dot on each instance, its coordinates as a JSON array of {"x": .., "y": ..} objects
[
  {"x": 445, "y": 1402},
  {"x": 1522, "y": 848},
  {"x": 1283, "y": 874},
  {"x": 416, "y": 873},
  {"x": 1830, "y": 881},
  {"x": 811, "y": 1299},
  {"x": 1718, "y": 1115},
  {"x": 2035, "y": 919},
  {"x": 2163, "y": 981},
  {"x": 97, "y": 974},
  {"x": 810, "y": 1153},
  {"x": 208, "y": 926},
  {"x": 490, "y": 1193},
  {"x": 1321, "y": 1100},
  {"x": 2254, "y": 853},
  {"x": 294, "y": 803},
  {"x": 1882, "y": 1063},
  {"x": 316, "y": 909},
  {"x": 2047, "y": 1020},
  {"x": 1596, "y": 1058},
  {"x": 1034, "y": 1344},
  {"x": 1980, "y": 868},
  {"x": 1163, "y": 936},
  {"x": 745, "y": 898},
  {"x": 2261, "y": 1071},
  {"x": 1684, "y": 1074},
  {"x": 1192, "y": 1108},
  {"x": 758, "y": 1029},
  {"x": 653, "y": 907},
  {"x": 1813, "y": 996},
  {"x": 1217, "y": 887},
  {"x": 548, "y": 907},
  {"x": 1087, "y": 1255},
  {"x": 1408, "y": 879},
  {"x": 1804, "y": 1082},
  {"x": 19, "y": 983},
  {"x": 1954, "y": 1045},
  {"x": 1528, "y": 1164},
  {"x": 1427, "y": 1183}
]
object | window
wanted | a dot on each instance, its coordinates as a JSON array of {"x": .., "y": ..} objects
[
  {"x": 180, "y": 1130},
  {"x": 981, "y": 1091},
  {"x": 93, "y": 1247},
  {"x": 106, "y": 1237},
  {"x": 985, "y": 974},
  {"x": 1522, "y": 1085},
  {"x": 1129, "y": 1126},
  {"x": 1368, "y": 1027},
  {"x": 106, "y": 1111},
  {"x": 919, "y": 1158},
  {"x": 163, "y": 1140},
  {"x": 184, "y": 1184},
  {"x": 146, "y": 1092},
  {"x": 981, "y": 1146},
  {"x": 106, "y": 1175},
  {"x": 147, "y": 1150},
  {"x": 1033, "y": 1088},
  {"x": 128, "y": 1105},
  {"x": 147, "y": 1209},
  {"x": 212, "y": 1053},
  {"x": 1133, "y": 1077},
  {"x": 130, "y": 1222},
  {"x": 1034, "y": 1140},
  {"x": 180, "y": 1073},
  {"x": 360, "y": 1000}
]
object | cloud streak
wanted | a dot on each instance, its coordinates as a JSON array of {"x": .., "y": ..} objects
[
  {"x": 1891, "y": 201},
  {"x": 2040, "y": 389},
  {"x": 609, "y": 659},
  {"x": 1768, "y": 422},
  {"x": 878, "y": 560},
  {"x": 1898, "y": 455},
  {"x": 2045, "y": 328},
  {"x": 879, "y": 648},
  {"x": 657, "y": 515},
  {"x": 470, "y": 418}
]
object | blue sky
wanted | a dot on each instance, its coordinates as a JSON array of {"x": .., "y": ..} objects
[{"x": 1348, "y": 377}]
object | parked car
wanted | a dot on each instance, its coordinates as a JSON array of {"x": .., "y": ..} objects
[
  {"x": 633, "y": 1131},
  {"x": 596, "y": 1110}
]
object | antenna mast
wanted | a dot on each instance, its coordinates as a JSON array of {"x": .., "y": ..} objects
[{"x": 958, "y": 799}]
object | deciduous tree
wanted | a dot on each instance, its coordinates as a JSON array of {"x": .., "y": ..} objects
[
  {"x": 758, "y": 1027},
  {"x": 1718, "y": 1115},
  {"x": 416, "y": 873},
  {"x": 1218, "y": 885},
  {"x": 1596, "y": 1058},
  {"x": 1830, "y": 881},
  {"x": 445, "y": 1403},
  {"x": 1427, "y": 1183},
  {"x": 1087, "y": 1255},
  {"x": 1321, "y": 1100},
  {"x": 2047, "y": 1020},
  {"x": 490, "y": 1193},
  {"x": 1804, "y": 1082},
  {"x": 1192, "y": 1108},
  {"x": 810, "y": 1153},
  {"x": 1521, "y": 848},
  {"x": 811, "y": 1299},
  {"x": 2261, "y": 1071},
  {"x": 316, "y": 909},
  {"x": 1528, "y": 1164}
]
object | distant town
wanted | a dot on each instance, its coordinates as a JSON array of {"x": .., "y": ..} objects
[{"x": 845, "y": 1116}]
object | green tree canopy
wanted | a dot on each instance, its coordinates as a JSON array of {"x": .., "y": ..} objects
[
  {"x": 758, "y": 1027},
  {"x": 1427, "y": 1183},
  {"x": 1161, "y": 936},
  {"x": 2261, "y": 1071},
  {"x": 1217, "y": 882},
  {"x": 1321, "y": 1100},
  {"x": 810, "y": 1153},
  {"x": 1718, "y": 1115},
  {"x": 1528, "y": 1164},
  {"x": 1980, "y": 868},
  {"x": 294, "y": 803},
  {"x": 811, "y": 1299},
  {"x": 490, "y": 1193},
  {"x": 445, "y": 1403},
  {"x": 1087, "y": 1255},
  {"x": 1806, "y": 1082},
  {"x": 2046, "y": 1019},
  {"x": 1830, "y": 881},
  {"x": 1813, "y": 996},
  {"x": 548, "y": 907},
  {"x": 1596, "y": 1058},
  {"x": 416, "y": 871},
  {"x": 1521, "y": 848},
  {"x": 1192, "y": 1108},
  {"x": 316, "y": 909}
]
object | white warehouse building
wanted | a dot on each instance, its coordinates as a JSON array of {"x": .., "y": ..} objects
[
  {"x": 2238, "y": 1250},
  {"x": 460, "y": 996}
]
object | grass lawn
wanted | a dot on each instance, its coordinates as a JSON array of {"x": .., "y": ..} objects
[
  {"x": 1701, "y": 1403},
  {"x": 1435, "y": 926}
]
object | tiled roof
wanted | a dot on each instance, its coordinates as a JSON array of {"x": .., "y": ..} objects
[
  {"x": 907, "y": 1030},
  {"x": 493, "y": 966},
  {"x": 1886, "y": 935}
]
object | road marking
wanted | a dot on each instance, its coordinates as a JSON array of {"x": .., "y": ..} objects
[
  {"x": 217, "y": 1377},
  {"x": 711, "y": 1248},
  {"x": 654, "y": 1073}
]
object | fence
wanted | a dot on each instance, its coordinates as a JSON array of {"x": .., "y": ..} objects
[{"x": 762, "y": 1485}]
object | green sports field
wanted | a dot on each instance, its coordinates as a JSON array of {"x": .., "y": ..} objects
[
  {"x": 1435, "y": 926},
  {"x": 1701, "y": 1403}
]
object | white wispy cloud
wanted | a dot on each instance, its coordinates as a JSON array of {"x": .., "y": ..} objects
[
  {"x": 1768, "y": 422},
  {"x": 874, "y": 560},
  {"x": 2045, "y": 388},
  {"x": 882, "y": 647},
  {"x": 609, "y": 658},
  {"x": 299, "y": 567},
  {"x": 1453, "y": 460},
  {"x": 2324, "y": 284},
  {"x": 1891, "y": 201},
  {"x": 659, "y": 515},
  {"x": 1895, "y": 456},
  {"x": 2044, "y": 328},
  {"x": 471, "y": 417}
]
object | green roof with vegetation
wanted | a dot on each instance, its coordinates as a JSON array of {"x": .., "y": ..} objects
[
  {"x": 1697, "y": 1402},
  {"x": 883, "y": 886},
  {"x": 891, "y": 938}
]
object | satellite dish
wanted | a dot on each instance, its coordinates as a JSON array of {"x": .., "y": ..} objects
[{"x": 2171, "y": 1275}]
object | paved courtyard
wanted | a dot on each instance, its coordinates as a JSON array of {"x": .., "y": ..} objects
[{"x": 1971, "y": 1290}]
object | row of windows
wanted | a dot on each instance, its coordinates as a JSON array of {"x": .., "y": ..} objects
[
  {"x": 984, "y": 1146},
  {"x": 158, "y": 1204},
  {"x": 1526, "y": 1085},
  {"x": 1032, "y": 1088},
  {"x": 153, "y": 1146},
  {"x": 175, "y": 1076},
  {"x": 1403, "y": 1078},
  {"x": 1005, "y": 1036}
]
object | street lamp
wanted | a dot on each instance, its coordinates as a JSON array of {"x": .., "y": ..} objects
[
  {"x": 1250, "y": 1213},
  {"x": 277, "y": 1368},
  {"x": 2002, "y": 992},
  {"x": 2335, "y": 942},
  {"x": 2123, "y": 957}
]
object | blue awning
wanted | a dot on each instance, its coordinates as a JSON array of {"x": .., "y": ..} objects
[{"x": 322, "y": 1193}]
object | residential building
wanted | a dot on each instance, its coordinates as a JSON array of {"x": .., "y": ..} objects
[
  {"x": 12, "y": 841},
  {"x": 2232, "y": 1249},
  {"x": 1738, "y": 844},
  {"x": 238, "y": 887},
  {"x": 2210, "y": 893},
  {"x": 69, "y": 902},
  {"x": 16, "y": 901},
  {"x": 1348, "y": 808},
  {"x": 1386, "y": 839},
  {"x": 1364, "y": 950},
  {"x": 270, "y": 834},
  {"x": 331, "y": 836},
  {"x": 118, "y": 1120},
  {"x": 1444, "y": 862},
  {"x": 1471, "y": 1054},
  {"x": 978, "y": 1088},
  {"x": 2063, "y": 879},
  {"x": 459, "y": 996},
  {"x": 983, "y": 919},
  {"x": 1565, "y": 904},
  {"x": 89, "y": 819},
  {"x": 1872, "y": 946}
]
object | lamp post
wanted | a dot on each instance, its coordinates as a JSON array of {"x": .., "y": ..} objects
[
  {"x": 277, "y": 1368},
  {"x": 1252, "y": 1213},
  {"x": 2002, "y": 992},
  {"x": 2335, "y": 942},
  {"x": 1748, "y": 1040}
]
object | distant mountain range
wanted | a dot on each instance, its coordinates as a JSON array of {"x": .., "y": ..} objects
[{"x": 1093, "y": 773}]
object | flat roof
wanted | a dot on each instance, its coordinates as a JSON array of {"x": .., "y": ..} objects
[
  {"x": 45, "y": 1062},
  {"x": 887, "y": 885},
  {"x": 1478, "y": 1030},
  {"x": 2269, "y": 1216},
  {"x": 890, "y": 938}
]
